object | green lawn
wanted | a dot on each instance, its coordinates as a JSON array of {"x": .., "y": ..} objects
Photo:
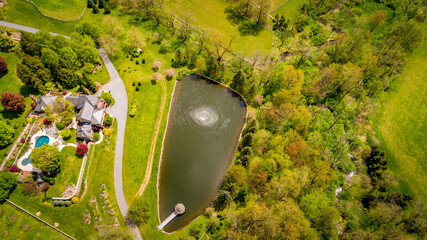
[
  {"x": 61, "y": 9},
  {"x": 402, "y": 125},
  {"x": 71, "y": 219},
  {"x": 23, "y": 226},
  {"x": 140, "y": 129},
  {"x": 70, "y": 165},
  {"x": 10, "y": 82},
  {"x": 290, "y": 9},
  {"x": 210, "y": 14}
]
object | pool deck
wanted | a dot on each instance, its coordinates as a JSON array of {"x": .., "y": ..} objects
[{"x": 30, "y": 167}]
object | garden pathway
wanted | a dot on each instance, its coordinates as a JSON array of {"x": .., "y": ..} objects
[{"x": 119, "y": 111}]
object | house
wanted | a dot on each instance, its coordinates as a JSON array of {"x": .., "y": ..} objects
[
  {"x": 43, "y": 101},
  {"x": 91, "y": 112}
]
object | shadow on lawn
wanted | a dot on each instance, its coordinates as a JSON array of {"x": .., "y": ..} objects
[{"x": 246, "y": 25}]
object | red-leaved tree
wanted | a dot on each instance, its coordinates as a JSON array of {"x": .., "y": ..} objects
[
  {"x": 3, "y": 65},
  {"x": 81, "y": 149},
  {"x": 14, "y": 168},
  {"x": 13, "y": 101}
]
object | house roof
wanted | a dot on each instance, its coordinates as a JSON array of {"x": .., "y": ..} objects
[
  {"x": 83, "y": 131},
  {"x": 79, "y": 101},
  {"x": 73, "y": 99},
  {"x": 97, "y": 116},
  {"x": 43, "y": 101},
  {"x": 85, "y": 113}
]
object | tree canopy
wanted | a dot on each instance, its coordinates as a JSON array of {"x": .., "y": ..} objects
[{"x": 46, "y": 158}]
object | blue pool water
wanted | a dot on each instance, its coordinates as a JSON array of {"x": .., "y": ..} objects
[{"x": 40, "y": 142}]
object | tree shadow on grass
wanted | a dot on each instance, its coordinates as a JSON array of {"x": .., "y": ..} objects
[
  {"x": 246, "y": 26},
  {"x": 250, "y": 28},
  {"x": 233, "y": 17}
]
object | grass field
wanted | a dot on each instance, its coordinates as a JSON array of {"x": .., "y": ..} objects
[
  {"x": 61, "y": 9},
  {"x": 23, "y": 226},
  {"x": 71, "y": 219},
  {"x": 140, "y": 129},
  {"x": 70, "y": 165},
  {"x": 210, "y": 14},
  {"x": 402, "y": 125}
]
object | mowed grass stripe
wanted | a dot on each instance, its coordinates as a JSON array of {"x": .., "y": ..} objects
[
  {"x": 403, "y": 126},
  {"x": 61, "y": 9}
]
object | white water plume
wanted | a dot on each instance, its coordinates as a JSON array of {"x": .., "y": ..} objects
[{"x": 204, "y": 116}]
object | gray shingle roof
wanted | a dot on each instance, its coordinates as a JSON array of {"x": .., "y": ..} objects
[
  {"x": 83, "y": 131},
  {"x": 97, "y": 116},
  {"x": 43, "y": 101},
  {"x": 85, "y": 114}
]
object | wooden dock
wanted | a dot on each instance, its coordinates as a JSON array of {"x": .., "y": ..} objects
[{"x": 179, "y": 210}]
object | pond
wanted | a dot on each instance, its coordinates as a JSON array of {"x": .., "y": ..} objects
[{"x": 204, "y": 126}]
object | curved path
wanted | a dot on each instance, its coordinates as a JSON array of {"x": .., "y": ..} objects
[
  {"x": 153, "y": 142},
  {"x": 119, "y": 111}
]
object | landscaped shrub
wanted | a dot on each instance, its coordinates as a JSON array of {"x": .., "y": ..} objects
[
  {"x": 22, "y": 140},
  {"x": 156, "y": 76},
  {"x": 137, "y": 89},
  {"x": 156, "y": 65},
  {"x": 106, "y": 131},
  {"x": 170, "y": 73},
  {"x": 59, "y": 125},
  {"x": 3, "y": 65},
  {"x": 30, "y": 188},
  {"x": 13, "y": 101},
  {"x": 95, "y": 136},
  {"x": 29, "y": 120},
  {"x": 14, "y": 168},
  {"x": 74, "y": 200},
  {"x": 6, "y": 43},
  {"x": 108, "y": 98},
  {"x": 139, "y": 84},
  {"x": 133, "y": 84},
  {"x": 108, "y": 120},
  {"x": 46, "y": 121},
  {"x": 6, "y": 133},
  {"x": 81, "y": 149},
  {"x": 67, "y": 203},
  {"x": 66, "y": 133}
]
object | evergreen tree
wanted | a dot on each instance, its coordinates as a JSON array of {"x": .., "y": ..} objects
[
  {"x": 238, "y": 82},
  {"x": 90, "y": 3},
  {"x": 101, "y": 4}
]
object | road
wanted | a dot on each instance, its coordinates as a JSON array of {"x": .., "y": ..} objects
[{"x": 119, "y": 111}]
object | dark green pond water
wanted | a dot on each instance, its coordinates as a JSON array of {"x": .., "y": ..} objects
[{"x": 205, "y": 121}]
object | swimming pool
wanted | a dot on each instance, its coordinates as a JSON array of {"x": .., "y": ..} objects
[{"x": 39, "y": 142}]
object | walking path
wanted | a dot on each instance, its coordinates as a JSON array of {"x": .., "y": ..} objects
[
  {"x": 153, "y": 142},
  {"x": 119, "y": 111}
]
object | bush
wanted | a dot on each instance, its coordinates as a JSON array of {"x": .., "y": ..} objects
[
  {"x": 22, "y": 140},
  {"x": 137, "y": 89},
  {"x": 133, "y": 84},
  {"x": 106, "y": 131},
  {"x": 170, "y": 73},
  {"x": 156, "y": 76},
  {"x": 6, "y": 133},
  {"x": 30, "y": 188},
  {"x": 67, "y": 203},
  {"x": 74, "y": 200},
  {"x": 107, "y": 9},
  {"x": 59, "y": 125},
  {"x": 139, "y": 84},
  {"x": 3, "y": 65},
  {"x": 81, "y": 149},
  {"x": 95, "y": 136},
  {"x": 108, "y": 98},
  {"x": 46, "y": 121},
  {"x": 95, "y": 9},
  {"x": 156, "y": 65},
  {"x": 12, "y": 101},
  {"x": 6, "y": 43},
  {"x": 66, "y": 133},
  {"x": 14, "y": 168},
  {"x": 108, "y": 120},
  {"x": 29, "y": 120}
]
